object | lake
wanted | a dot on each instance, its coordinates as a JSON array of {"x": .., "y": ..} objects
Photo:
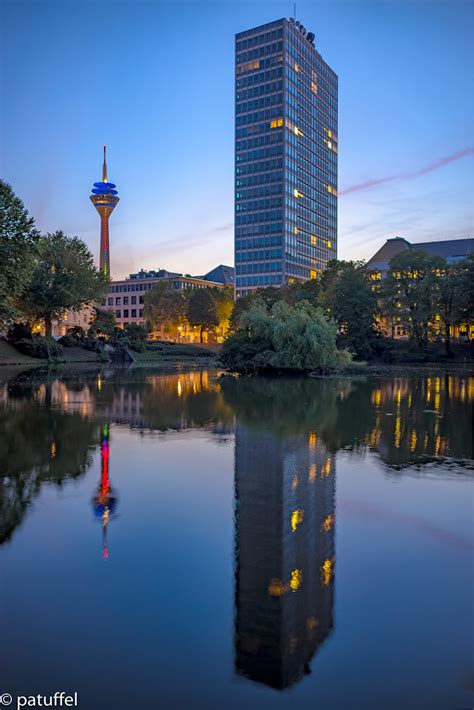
[{"x": 188, "y": 540}]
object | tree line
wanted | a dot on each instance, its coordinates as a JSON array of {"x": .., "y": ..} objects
[
  {"x": 352, "y": 311},
  {"x": 174, "y": 310},
  {"x": 41, "y": 275}
]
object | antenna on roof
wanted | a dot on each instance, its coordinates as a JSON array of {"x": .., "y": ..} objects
[{"x": 294, "y": 10}]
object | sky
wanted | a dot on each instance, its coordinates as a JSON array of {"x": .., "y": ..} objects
[{"x": 155, "y": 82}]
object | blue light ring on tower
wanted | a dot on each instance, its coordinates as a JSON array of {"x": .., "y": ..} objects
[{"x": 104, "y": 188}]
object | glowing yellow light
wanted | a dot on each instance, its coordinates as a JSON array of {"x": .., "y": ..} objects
[
  {"x": 53, "y": 449},
  {"x": 314, "y": 240},
  {"x": 99, "y": 383},
  {"x": 329, "y": 145},
  {"x": 296, "y": 67},
  {"x": 327, "y": 572},
  {"x": 398, "y": 432},
  {"x": 329, "y": 244},
  {"x": 296, "y": 579},
  {"x": 312, "y": 274},
  {"x": 329, "y": 133},
  {"x": 180, "y": 388},
  {"x": 297, "y": 193},
  {"x": 312, "y": 439},
  {"x": 413, "y": 440},
  {"x": 295, "y": 230},
  {"x": 376, "y": 397},
  {"x": 326, "y": 469},
  {"x": 296, "y": 518},
  {"x": 276, "y": 588},
  {"x": 327, "y": 523},
  {"x": 312, "y": 473}
]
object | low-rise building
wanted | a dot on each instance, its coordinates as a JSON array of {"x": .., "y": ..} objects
[
  {"x": 125, "y": 298},
  {"x": 452, "y": 250}
]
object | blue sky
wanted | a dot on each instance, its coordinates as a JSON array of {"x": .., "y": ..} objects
[{"x": 154, "y": 81}]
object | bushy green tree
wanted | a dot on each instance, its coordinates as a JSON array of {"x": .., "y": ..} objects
[
  {"x": 18, "y": 238},
  {"x": 64, "y": 277},
  {"x": 346, "y": 296},
  {"x": 410, "y": 292},
  {"x": 286, "y": 337},
  {"x": 465, "y": 270},
  {"x": 164, "y": 306},
  {"x": 224, "y": 299},
  {"x": 103, "y": 323},
  {"x": 202, "y": 310}
]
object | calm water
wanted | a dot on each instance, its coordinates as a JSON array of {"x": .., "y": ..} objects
[{"x": 190, "y": 541}]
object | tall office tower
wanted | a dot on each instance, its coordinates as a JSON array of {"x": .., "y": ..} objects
[
  {"x": 285, "y": 157},
  {"x": 104, "y": 198}
]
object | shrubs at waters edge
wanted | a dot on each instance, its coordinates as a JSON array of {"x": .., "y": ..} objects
[
  {"x": 36, "y": 346},
  {"x": 283, "y": 337}
]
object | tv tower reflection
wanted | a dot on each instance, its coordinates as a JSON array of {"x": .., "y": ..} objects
[{"x": 105, "y": 502}]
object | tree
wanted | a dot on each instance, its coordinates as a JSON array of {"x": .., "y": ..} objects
[
  {"x": 347, "y": 296},
  {"x": 465, "y": 270},
  {"x": 202, "y": 310},
  {"x": 102, "y": 324},
  {"x": 18, "y": 238},
  {"x": 287, "y": 337},
  {"x": 302, "y": 291},
  {"x": 224, "y": 298},
  {"x": 410, "y": 292},
  {"x": 165, "y": 306},
  {"x": 450, "y": 299},
  {"x": 64, "y": 276}
]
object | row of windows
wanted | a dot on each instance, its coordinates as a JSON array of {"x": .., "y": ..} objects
[
  {"x": 259, "y": 217},
  {"x": 259, "y": 179},
  {"x": 257, "y": 117},
  {"x": 260, "y": 153},
  {"x": 264, "y": 254},
  {"x": 259, "y": 65},
  {"x": 118, "y": 300},
  {"x": 259, "y": 141},
  {"x": 125, "y": 313},
  {"x": 251, "y": 93},
  {"x": 258, "y": 167},
  {"x": 261, "y": 280},
  {"x": 257, "y": 39},
  {"x": 131, "y": 287},
  {"x": 258, "y": 231},
  {"x": 259, "y": 77},
  {"x": 254, "y": 104},
  {"x": 254, "y": 205},
  {"x": 264, "y": 190},
  {"x": 258, "y": 52}
]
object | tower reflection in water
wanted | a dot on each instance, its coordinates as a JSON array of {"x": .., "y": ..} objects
[
  {"x": 285, "y": 556},
  {"x": 104, "y": 502}
]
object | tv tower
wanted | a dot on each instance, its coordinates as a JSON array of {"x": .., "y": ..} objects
[{"x": 104, "y": 198}]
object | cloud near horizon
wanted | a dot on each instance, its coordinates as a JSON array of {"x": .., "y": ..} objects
[{"x": 409, "y": 175}]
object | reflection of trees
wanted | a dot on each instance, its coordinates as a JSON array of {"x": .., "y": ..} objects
[
  {"x": 38, "y": 444},
  {"x": 408, "y": 421}
]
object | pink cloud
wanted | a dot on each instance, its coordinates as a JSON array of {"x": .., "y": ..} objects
[{"x": 409, "y": 175}]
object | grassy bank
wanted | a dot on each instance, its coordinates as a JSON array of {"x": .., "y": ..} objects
[{"x": 165, "y": 353}]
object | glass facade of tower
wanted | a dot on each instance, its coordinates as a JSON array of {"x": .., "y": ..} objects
[{"x": 285, "y": 157}]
